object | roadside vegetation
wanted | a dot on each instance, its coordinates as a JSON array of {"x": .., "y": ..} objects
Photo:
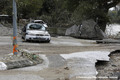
[{"x": 64, "y": 13}]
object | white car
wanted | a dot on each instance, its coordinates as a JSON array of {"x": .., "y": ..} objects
[
  {"x": 40, "y": 21},
  {"x": 35, "y": 32}
]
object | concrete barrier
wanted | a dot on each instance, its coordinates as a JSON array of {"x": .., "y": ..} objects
[{"x": 24, "y": 59}]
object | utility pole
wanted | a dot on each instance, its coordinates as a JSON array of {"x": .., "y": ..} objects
[{"x": 15, "y": 51}]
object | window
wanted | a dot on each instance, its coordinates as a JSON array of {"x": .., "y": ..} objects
[{"x": 36, "y": 27}]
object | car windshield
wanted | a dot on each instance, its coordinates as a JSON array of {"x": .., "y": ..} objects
[{"x": 36, "y": 27}]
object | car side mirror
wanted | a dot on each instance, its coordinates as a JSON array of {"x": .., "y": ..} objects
[{"x": 47, "y": 29}]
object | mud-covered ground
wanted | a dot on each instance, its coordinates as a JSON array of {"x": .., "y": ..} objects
[
  {"x": 58, "y": 45},
  {"x": 109, "y": 70},
  {"x": 58, "y": 69}
]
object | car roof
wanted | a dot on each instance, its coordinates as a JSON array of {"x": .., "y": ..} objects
[{"x": 37, "y": 20}]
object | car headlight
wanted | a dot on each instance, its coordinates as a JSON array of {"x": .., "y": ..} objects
[{"x": 47, "y": 35}]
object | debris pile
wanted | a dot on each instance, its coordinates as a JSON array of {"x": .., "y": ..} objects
[
  {"x": 109, "y": 70},
  {"x": 87, "y": 30},
  {"x": 24, "y": 59}
]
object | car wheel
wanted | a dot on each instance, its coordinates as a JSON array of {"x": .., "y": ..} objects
[
  {"x": 22, "y": 37},
  {"x": 48, "y": 41}
]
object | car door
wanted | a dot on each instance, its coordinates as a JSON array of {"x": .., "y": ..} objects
[{"x": 24, "y": 31}]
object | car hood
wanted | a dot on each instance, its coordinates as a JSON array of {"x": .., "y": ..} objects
[{"x": 36, "y": 32}]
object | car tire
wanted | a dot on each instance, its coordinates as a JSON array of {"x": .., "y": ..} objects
[
  {"x": 22, "y": 37},
  {"x": 48, "y": 41}
]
